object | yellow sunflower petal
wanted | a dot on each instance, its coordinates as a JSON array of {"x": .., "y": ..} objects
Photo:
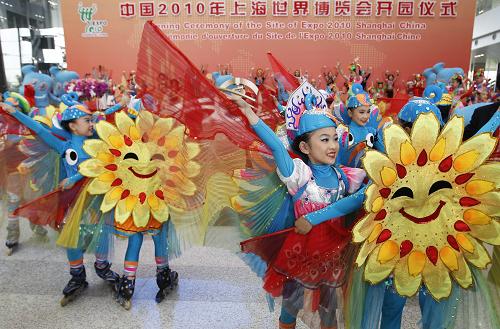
[
  {"x": 394, "y": 138},
  {"x": 105, "y": 157},
  {"x": 437, "y": 279},
  {"x": 452, "y": 134},
  {"x": 489, "y": 172},
  {"x": 437, "y": 152},
  {"x": 489, "y": 203},
  {"x": 116, "y": 141},
  {"x": 374, "y": 270},
  {"x": 364, "y": 251},
  {"x": 425, "y": 131},
  {"x": 141, "y": 213},
  {"x": 480, "y": 257},
  {"x": 183, "y": 185},
  {"x": 123, "y": 122},
  {"x": 388, "y": 251},
  {"x": 473, "y": 152},
  {"x": 463, "y": 275},
  {"x": 374, "y": 162},
  {"x": 98, "y": 187},
  {"x": 91, "y": 168},
  {"x": 193, "y": 149},
  {"x": 161, "y": 213},
  {"x": 111, "y": 198},
  {"x": 175, "y": 138},
  {"x": 174, "y": 199},
  {"x": 93, "y": 145},
  {"x": 164, "y": 125},
  {"x": 375, "y": 232},
  {"x": 363, "y": 228},
  {"x": 192, "y": 169},
  {"x": 134, "y": 133},
  {"x": 478, "y": 187},
  {"x": 449, "y": 257},
  {"x": 107, "y": 177},
  {"x": 144, "y": 122},
  {"x": 465, "y": 242},
  {"x": 405, "y": 284},
  {"x": 476, "y": 217},
  {"x": 416, "y": 262},
  {"x": 388, "y": 176},
  {"x": 371, "y": 193},
  {"x": 122, "y": 212},
  {"x": 153, "y": 202},
  {"x": 407, "y": 153},
  {"x": 105, "y": 130},
  {"x": 488, "y": 233}
]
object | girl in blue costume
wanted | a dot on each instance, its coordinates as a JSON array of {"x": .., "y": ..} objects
[
  {"x": 165, "y": 278},
  {"x": 77, "y": 121},
  {"x": 306, "y": 266},
  {"x": 364, "y": 127}
]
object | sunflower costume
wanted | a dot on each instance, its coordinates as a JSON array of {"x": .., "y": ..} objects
[{"x": 430, "y": 207}]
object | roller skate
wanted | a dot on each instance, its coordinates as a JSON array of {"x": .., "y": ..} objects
[
  {"x": 11, "y": 246},
  {"x": 108, "y": 275},
  {"x": 76, "y": 285},
  {"x": 13, "y": 233},
  {"x": 166, "y": 280},
  {"x": 39, "y": 233},
  {"x": 125, "y": 292}
]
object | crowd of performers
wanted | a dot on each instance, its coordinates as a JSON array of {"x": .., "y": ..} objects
[{"x": 345, "y": 212}]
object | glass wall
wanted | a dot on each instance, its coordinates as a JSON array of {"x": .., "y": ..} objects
[{"x": 30, "y": 33}]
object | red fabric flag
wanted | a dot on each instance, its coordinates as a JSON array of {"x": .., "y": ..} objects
[
  {"x": 172, "y": 86},
  {"x": 289, "y": 82}
]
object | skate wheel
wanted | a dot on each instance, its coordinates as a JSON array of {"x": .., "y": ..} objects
[
  {"x": 125, "y": 303},
  {"x": 69, "y": 298},
  {"x": 9, "y": 251},
  {"x": 160, "y": 296},
  {"x": 66, "y": 300}
]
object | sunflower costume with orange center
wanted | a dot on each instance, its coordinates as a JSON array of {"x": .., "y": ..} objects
[
  {"x": 430, "y": 207},
  {"x": 148, "y": 174}
]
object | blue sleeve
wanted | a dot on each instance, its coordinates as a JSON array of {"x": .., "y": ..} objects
[
  {"x": 283, "y": 159},
  {"x": 41, "y": 131},
  {"x": 379, "y": 141},
  {"x": 113, "y": 109},
  {"x": 340, "y": 208},
  {"x": 75, "y": 178}
]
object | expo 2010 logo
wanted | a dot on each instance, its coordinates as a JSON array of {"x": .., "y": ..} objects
[{"x": 94, "y": 28}]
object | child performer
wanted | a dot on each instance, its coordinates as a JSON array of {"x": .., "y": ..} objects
[
  {"x": 77, "y": 120},
  {"x": 309, "y": 263}
]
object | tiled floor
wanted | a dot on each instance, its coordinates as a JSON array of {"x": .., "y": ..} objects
[{"x": 216, "y": 290}]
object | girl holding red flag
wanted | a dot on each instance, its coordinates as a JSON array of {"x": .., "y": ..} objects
[{"x": 307, "y": 264}]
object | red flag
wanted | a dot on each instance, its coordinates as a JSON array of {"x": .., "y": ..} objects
[
  {"x": 289, "y": 82},
  {"x": 172, "y": 86},
  {"x": 50, "y": 209}
]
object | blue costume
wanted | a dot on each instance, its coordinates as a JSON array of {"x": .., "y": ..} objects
[
  {"x": 358, "y": 137},
  {"x": 72, "y": 153},
  {"x": 316, "y": 192}
]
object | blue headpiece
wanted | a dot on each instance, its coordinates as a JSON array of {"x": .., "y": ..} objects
[
  {"x": 417, "y": 105},
  {"x": 75, "y": 109},
  {"x": 359, "y": 97}
]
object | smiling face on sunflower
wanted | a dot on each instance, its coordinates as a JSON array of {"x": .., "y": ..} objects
[
  {"x": 431, "y": 203},
  {"x": 142, "y": 167}
]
